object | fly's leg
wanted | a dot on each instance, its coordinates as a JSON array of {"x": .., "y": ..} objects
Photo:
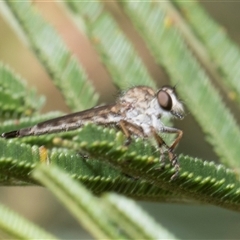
[
  {"x": 122, "y": 125},
  {"x": 129, "y": 128},
  {"x": 161, "y": 144},
  {"x": 172, "y": 156}
]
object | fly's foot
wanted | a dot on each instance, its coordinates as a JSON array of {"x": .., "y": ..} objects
[
  {"x": 131, "y": 177},
  {"x": 173, "y": 158},
  {"x": 162, "y": 161},
  {"x": 83, "y": 155},
  {"x": 174, "y": 161},
  {"x": 127, "y": 142}
]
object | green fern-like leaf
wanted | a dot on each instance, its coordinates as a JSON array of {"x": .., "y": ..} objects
[
  {"x": 224, "y": 52},
  {"x": 194, "y": 86},
  {"x": 96, "y": 156},
  {"x": 103, "y": 217},
  {"x": 63, "y": 68},
  {"x": 86, "y": 208},
  {"x": 18, "y": 160},
  {"x": 196, "y": 180},
  {"x": 15, "y": 98},
  {"x": 115, "y": 51},
  {"x": 15, "y": 227},
  {"x": 134, "y": 219}
]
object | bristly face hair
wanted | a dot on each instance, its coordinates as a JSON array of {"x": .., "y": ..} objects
[{"x": 138, "y": 111}]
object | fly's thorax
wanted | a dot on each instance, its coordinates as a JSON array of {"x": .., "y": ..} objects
[
  {"x": 137, "y": 96},
  {"x": 139, "y": 92},
  {"x": 136, "y": 101},
  {"x": 138, "y": 116}
]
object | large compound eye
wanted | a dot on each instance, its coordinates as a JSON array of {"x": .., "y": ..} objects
[{"x": 164, "y": 100}]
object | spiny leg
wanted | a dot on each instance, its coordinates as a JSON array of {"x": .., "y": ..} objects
[
  {"x": 161, "y": 144},
  {"x": 172, "y": 156},
  {"x": 128, "y": 128}
]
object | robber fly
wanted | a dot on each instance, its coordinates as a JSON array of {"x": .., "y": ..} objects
[{"x": 138, "y": 111}]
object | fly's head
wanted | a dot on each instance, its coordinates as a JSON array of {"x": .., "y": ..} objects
[{"x": 169, "y": 103}]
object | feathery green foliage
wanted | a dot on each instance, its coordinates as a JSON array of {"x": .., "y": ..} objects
[
  {"x": 15, "y": 98},
  {"x": 85, "y": 207},
  {"x": 204, "y": 102},
  {"x": 49, "y": 48},
  {"x": 133, "y": 219},
  {"x": 222, "y": 50},
  {"x": 15, "y": 227},
  {"x": 133, "y": 171},
  {"x": 115, "y": 51},
  {"x": 195, "y": 180},
  {"x": 18, "y": 160},
  {"x": 93, "y": 212}
]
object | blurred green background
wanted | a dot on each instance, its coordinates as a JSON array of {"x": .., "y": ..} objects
[{"x": 37, "y": 204}]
